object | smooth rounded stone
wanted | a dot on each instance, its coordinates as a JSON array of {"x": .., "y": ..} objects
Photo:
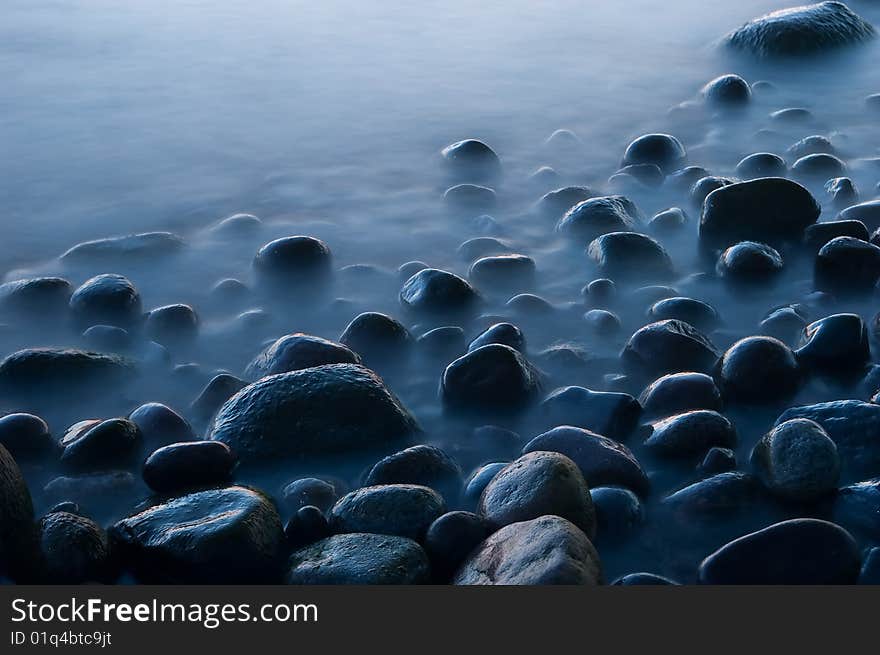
[
  {"x": 847, "y": 266},
  {"x": 108, "y": 338},
  {"x": 842, "y": 192},
  {"x": 545, "y": 176},
  {"x": 309, "y": 491},
  {"x": 694, "y": 312},
  {"x": 503, "y": 272},
  {"x": 799, "y": 551},
  {"x": 716, "y": 497},
  {"x": 818, "y": 166},
  {"x": 836, "y": 343},
  {"x": 218, "y": 536},
  {"x": 689, "y": 434},
  {"x": 480, "y": 479},
  {"x": 684, "y": 179},
  {"x": 325, "y": 410},
  {"x": 16, "y": 519},
  {"x": 811, "y": 145},
  {"x": 67, "y": 506},
  {"x": 93, "y": 445},
  {"x": 853, "y": 425},
  {"x": 563, "y": 138},
  {"x": 678, "y": 392},
  {"x": 816, "y": 236},
  {"x": 727, "y": 91},
  {"x": 750, "y": 262},
  {"x": 108, "y": 299},
  {"x": 230, "y": 291},
  {"x": 363, "y": 559},
  {"x": 797, "y": 461},
  {"x": 432, "y": 291},
  {"x": 792, "y": 116},
  {"x": 856, "y": 507},
  {"x": 161, "y": 425},
  {"x": 648, "y": 174},
  {"x": 491, "y": 378},
  {"x": 444, "y": 342},
  {"x": 536, "y": 484},
  {"x": 556, "y": 203},
  {"x": 377, "y": 338},
  {"x": 470, "y": 197},
  {"x": 504, "y": 333},
  {"x": 73, "y": 549},
  {"x": 473, "y": 249},
  {"x": 173, "y": 325},
  {"x": 597, "y": 216},
  {"x": 758, "y": 370},
  {"x": 866, "y": 212},
  {"x": 408, "y": 269},
  {"x": 870, "y": 573},
  {"x": 600, "y": 292},
  {"x": 123, "y": 249},
  {"x": 630, "y": 255},
  {"x": 402, "y": 510},
  {"x": 663, "y": 150},
  {"x": 25, "y": 436},
  {"x": 36, "y": 298},
  {"x": 602, "y": 322},
  {"x": 647, "y": 295},
  {"x": 486, "y": 224},
  {"x": 423, "y": 465},
  {"x": 717, "y": 460},
  {"x": 618, "y": 511},
  {"x": 529, "y": 305},
  {"x": 451, "y": 538},
  {"x": 602, "y": 461},
  {"x": 761, "y": 164},
  {"x": 471, "y": 159},
  {"x": 294, "y": 265},
  {"x": 93, "y": 490},
  {"x": 608, "y": 413},
  {"x": 668, "y": 346},
  {"x": 783, "y": 323},
  {"x": 873, "y": 101},
  {"x": 548, "y": 550},
  {"x": 642, "y": 579},
  {"x": 668, "y": 221},
  {"x": 706, "y": 185},
  {"x": 307, "y": 526},
  {"x": 495, "y": 441},
  {"x": 189, "y": 465},
  {"x": 297, "y": 351},
  {"x": 768, "y": 209},
  {"x": 238, "y": 225}
]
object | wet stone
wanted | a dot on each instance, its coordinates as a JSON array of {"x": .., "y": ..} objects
[
  {"x": 451, "y": 538},
  {"x": 630, "y": 255},
  {"x": 480, "y": 479},
  {"x": 784, "y": 323},
  {"x": 503, "y": 272},
  {"x": 591, "y": 218},
  {"x": 819, "y": 234},
  {"x": 689, "y": 434},
  {"x": 294, "y": 352},
  {"x": 146, "y": 246},
  {"x": 811, "y": 145},
  {"x": 761, "y": 164},
  {"x": 619, "y": 511},
  {"x": 663, "y": 150},
  {"x": 108, "y": 338},
  {"x": 423, "y": 465},
  {"x": 35, "y": 298},
  {"x": 694, "y": 312},
  {"x": 668, "y": 221},
  {"x": 491, "y": 378},
  {"x": 73, "y": 550},
  {"x": 378, "y": 338},
  {"x": 668, "y": 346},
  {"x": 856, "y": 507},
  {"x": 866, "y": 212},
  {"x": 473, "y": 249},
  {"x": 834, "y": 344},
  {"x": 432, "y": 291},
  {"x": 160, "y": 425},
  {"x": 188, "y": 465},
  {"x": 607, "y": 413},
  {"x": 819, "y": 166},
  {"x": 471, "y": 159},
  {"x": 758, "y": 370},
  {"x": 16, "y": 520},
  {"x": 94, "y": 445},
  {"x": 294, "y": 265},
  {"x": 470, "y": 198},
  {"x": 402, "y": 510},
  {"x": 216, "y": 392},
  {"x": 847, "y": 266},
  {"x": 556, "y": 203},
  {"x": 678, "y": 392},
  {"x": 717, "y": 460},
  {"x": 504, "y": 333},
  {"x": 309, "y": 491},
  {"x": 446, "y": 342},
  {"x": 648, "y": 174},
  {"x": 727, "y": 91},
  {"x": 306, "y": 526},
  {"x": 602, "y": 322},
  {"x": 717, "y": 497},
  {"x": 701, "y": 189},
  {"x": 643, "y": 579},
  {"x": 108, "y": 299},
  {"x": 749, "y": 261},
  {"x": 173, "y": 325},
  {"x": 25, "y": 436},
  {"x": 842, "y": 193}
]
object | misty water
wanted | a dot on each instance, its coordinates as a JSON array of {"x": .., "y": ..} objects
[{"x": 326, "y": 119}]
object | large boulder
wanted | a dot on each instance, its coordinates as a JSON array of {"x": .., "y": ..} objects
[
  {"x": 325, "y": 410},
  {"x": 805, "y": 30}
]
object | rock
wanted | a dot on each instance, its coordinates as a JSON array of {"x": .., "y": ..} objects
[
  {"x": 470, "y": 198},
  {"x": 602, "y": 322},
  {"x": 444, "y": 343},
  {"x": 451, "y": 538},
  {"x": 684, "y": 179},
  {"x": 189, "y": 465},
  {"x": 545, "y": 177},
  {"x": 294, "y": 352},
  {"x": 503, "y": 272},
  {"x": 93, "y": 445},
  {"x": 630, "y": 255},
  {"x": 295, "y": 265},
  {"x": 421, "y": 465},
  {"x": 758, "y": 370},
  {"x": 842, "y": 192},
  {"x": 25, "y": 436},
  {"x": 834, "y": 344},
  {"x": 602, "y": 461},
  {"x": 73, "y": 549},
  {"x": 792, "y": 116},
  {"x": 618, "y": 511},
  {"x": 325, "y": 410},
  {"x": 309, "y": 491},
  {"x": 591, "y": 218},
  {"x": 866, "y": 212},
  {"x": 307, "y": 526},
  {"x": 717, "y": 460},
  {"x": 727, "y": 91},
  {"x": 689, "y": 434},
  {"x": 173, "y": 325},
  {"x": 663, "y": 150},
  {"x": 536, "y": 484},
  {"x": 148, "y": 246},
  {"x": 669, "y": 221},
  {"x": 403, "y": 510},
  {"x": 604, "y": 412},
  {"x": 799, "y": 551},
  {"x": 556, "y": 203},
  {"x": 819, "y": 234},
  {"x": 797, "y": 461},
  {"x": 819, "y": 166},
  {"x": 471, "y": 159},
  {"x": 678, "y": 392},
  {"x": 160, "y": 425},
  {"x": 378, "y": 338},
  {"x": 847, "y": 266},
  {"x": 504, "y": 333},
  {"x": 706, "y": 185},
  {"x": 870, "y": 573},
  {"x": 528, "y": 305},
  {"x": 669, "y": 346},
  {"x": 749, "y": 262},
  {"x": 694, "y": 312},
  {"x": 432, "y": 291},
  {"x": 811, "y": 145},
  {"x": 480, "y": 479},
  {"x": 96, "y": 492},
  {"x": 642, "y": 579},
  {"x": 544, "y": 551},
  {"x": 218, "y": 390},
  {"x": 491, "y": 378},
  {"x": 761, "y": 164},
  {"x": 107, "y": 299},
  {"x": 220, "y": 536},
  {"x": 108, "y": 338},
  {"x": 473, "y": 249},
  {"x": 647, "y": 174},
  {"x": 783, "y": 323},
  {"x": 238, "y": 225},
  {"x": 366, "y": 559},
  {"x": 408, "y": 269},
  {"x": 230, "y": 293},
  {"x": 768, "y": 210},
  {"x": 16, "y": 520},
  {"x": 36, "y": 298},
  {"x": 856, "y": 507},
  {"x": 717, "y": 497}
]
